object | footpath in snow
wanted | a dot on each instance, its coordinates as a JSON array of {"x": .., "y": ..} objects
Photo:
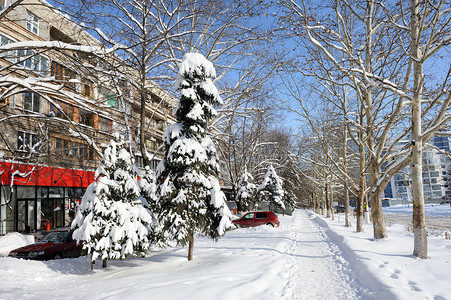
[
  {"x": 320, "y": 269},
  {"x": 307, "y": 257}
]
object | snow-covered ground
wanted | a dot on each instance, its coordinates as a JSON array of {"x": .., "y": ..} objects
[
  {"x": 307, "y": 257},
  {"x": 430, "y": 210}
]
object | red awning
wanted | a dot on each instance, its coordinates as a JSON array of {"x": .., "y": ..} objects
[{"x": 25, "y": 174}]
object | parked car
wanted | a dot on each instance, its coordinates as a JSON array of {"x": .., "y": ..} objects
[
  {"x": 55, "y": 244},
  {"x": 257, "y": 218},
  {"x": 340, "y": 208}
]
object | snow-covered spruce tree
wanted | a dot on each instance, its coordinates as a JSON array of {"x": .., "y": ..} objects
[
  {"x": 289, "y": 199},
  {"x": 147, "y": 184},
  {"x": 272, "y": 186},
  {"x": 189, "y": 197},
  {"x": 111, "y": 221},
  {"x": 247, "y": 191}
]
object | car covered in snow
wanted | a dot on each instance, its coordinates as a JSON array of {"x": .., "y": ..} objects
[
  {"x": 55, "y": 244},
  {"x": 257, "y": 218}
]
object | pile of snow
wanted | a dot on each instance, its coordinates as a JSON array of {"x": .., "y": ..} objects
[{"x": 14, "y": 240}]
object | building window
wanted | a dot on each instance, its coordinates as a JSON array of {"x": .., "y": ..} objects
[
  {"x": 31, "y": 102},
  {"x": 29, "y": 60},
  {"x": 68, "y": 110},
  {"x": 22, "y": 56},
  {"x": 71, "y": 149},
  {"x": 32, "y": 23},
  {"x": 112, "y": 101},
  {"x": 8, "y": 55},
  {"x": 154, "y": 164},
  {"x": 58, "y": 148},
  {"x": 63, "y": 74},
  {"x": 437, "y": 187},
  {"x": 85, "y": 120},
  {"x": 26, "y": 141},
  {"x": 109, "y": 96},
  {"x": 88, "y": 88},
  {"x": 40, "y": 64},
  {"x": 105, "y": 125},
  {"x": 3, "y": 100},
  {"x": 3, "y": 4}
]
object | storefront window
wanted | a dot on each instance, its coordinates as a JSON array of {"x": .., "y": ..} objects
[
  {"x": 43, "y": 192},
  {"x": 56, "y": 192},
  {"x": 21, "y": 215},
  {"x": 34, "y": 208},
  {"x": 6, "y": 210},
  {"x": 39, "y": 224},
  {"x": 31, "y": 214},
  {"x": 25, "y": 192}
]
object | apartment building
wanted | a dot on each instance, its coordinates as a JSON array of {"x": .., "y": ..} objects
[
  {"x": 436, "y": 165},
  {"x": 56, "y": 113}
]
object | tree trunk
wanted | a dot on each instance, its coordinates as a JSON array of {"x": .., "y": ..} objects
[
  {"x": 332, "y": 201},
  {"x": 376, "y": 193},
  {"x": 360, "y": 200},
  {"x": 327, "y": 201},
  {"x": 361, "y": 191},
  {"x": 347, "y": 210},
  {"x": 142, "y": 130},
  {"x": 190, "y": 245},
  {"x": 345, "y": 168},
  {"x": 318, "y": 203},
  {"x": 419, "y": 226},
  {"x": 315, "y": 203},
  {"x": 377, "y": 214},
  {"x": 104, "y": 263}
]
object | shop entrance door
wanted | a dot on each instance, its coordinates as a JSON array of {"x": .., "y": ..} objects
[
  {"x": 26, "y": 214},
  {"x": 51, "y": 200},
  {"x": 52, "y": 213}
]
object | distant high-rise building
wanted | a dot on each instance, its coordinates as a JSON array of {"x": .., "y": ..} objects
[{"x": 436, "y": 165}]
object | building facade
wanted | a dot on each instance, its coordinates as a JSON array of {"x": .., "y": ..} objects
[
  {"x": 436, "y": 165},
  {"x": 56, "y": 113}
]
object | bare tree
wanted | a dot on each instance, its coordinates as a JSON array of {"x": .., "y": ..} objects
[
  {"x": 369, "y": 44},
  {"x": 429, "y": 31},
  {"x": 153, "y": 36},
  {"x": 336, "y": 50}
]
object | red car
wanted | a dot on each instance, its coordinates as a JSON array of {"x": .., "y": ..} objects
[
  {"x": 54, "y": 245},
  {"x": 257, "y": 218}
]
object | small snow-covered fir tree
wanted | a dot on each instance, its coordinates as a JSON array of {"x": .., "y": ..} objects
[
  {"x": 246, "y": 191},
  {"x": 272, "y": 186},
  {"x": 111, "y": 221},
  {"x": 190, "y": 200},
  {"x": 289, "y": 199}
]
